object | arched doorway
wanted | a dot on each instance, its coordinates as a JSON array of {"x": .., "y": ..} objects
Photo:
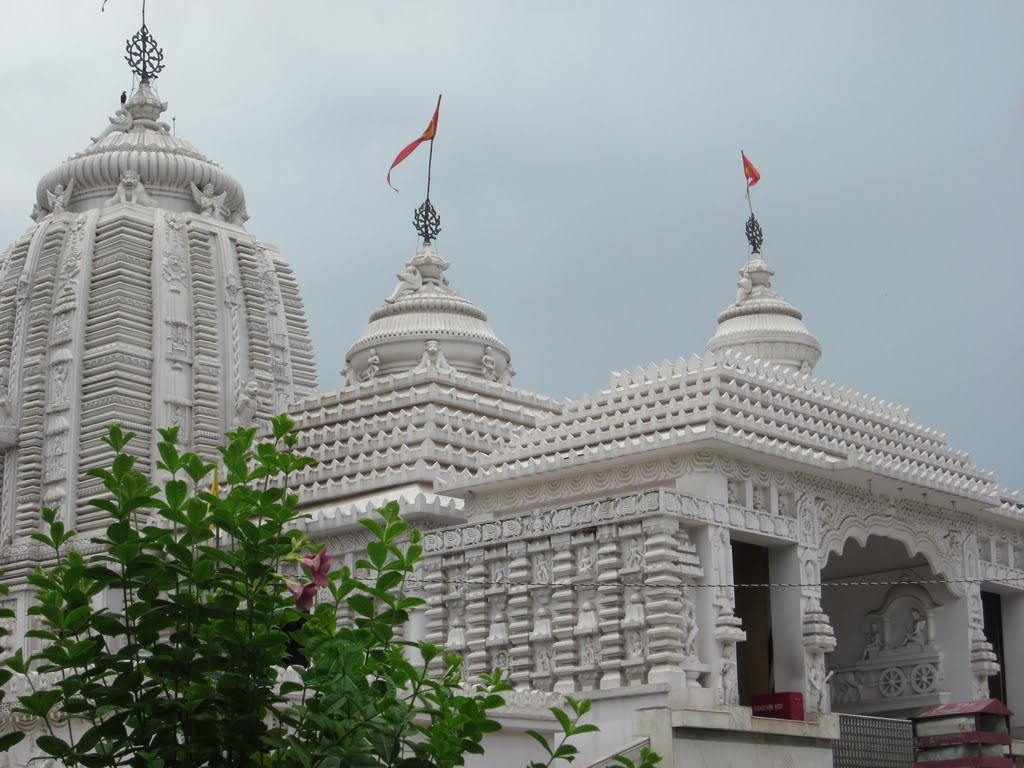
[{"x": 886, "y": 608}]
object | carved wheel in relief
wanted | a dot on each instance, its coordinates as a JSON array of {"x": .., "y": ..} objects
[
  {"x": 892, "y": 683},
  {"x": 923, "y": 677}
]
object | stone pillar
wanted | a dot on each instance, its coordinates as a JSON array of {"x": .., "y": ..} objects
[
  {"x": 563, "y": 613},
  {"x": 610, "y": 607},
  {"x": 477, "y": 616},
  {"x": 540, "y": 639},
  {"x": 716, "y": 608},
  {"x": 816, "y": 633},
  {"x": 788, "y": 662},
  {"x": 953, "y": 633},
  {"x": 520, "y": 607},
  {"x": 663, "y": 604},
  {"x": 1013, "y": 638},
  {"x": 984, "y": 662}
]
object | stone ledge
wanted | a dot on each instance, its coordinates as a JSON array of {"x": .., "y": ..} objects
[{"x": 740, "y": 719}]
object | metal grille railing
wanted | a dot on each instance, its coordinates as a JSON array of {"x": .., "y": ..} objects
[{"x": 873, "y": 742}]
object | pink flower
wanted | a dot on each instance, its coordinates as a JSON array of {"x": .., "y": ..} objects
[
  {"x": 304, "y": 594},
  {"x": 318, "y": 565}
]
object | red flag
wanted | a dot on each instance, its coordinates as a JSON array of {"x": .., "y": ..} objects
[
  {"x": 749, "y": 171},
  {"x": 428, "y": 135}
]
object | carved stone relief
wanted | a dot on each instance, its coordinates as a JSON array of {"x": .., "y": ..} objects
[
  {"x": 899, "y": 659},
  {"x": 131, "y": 190},
  {"x": 845, "y": 512}
]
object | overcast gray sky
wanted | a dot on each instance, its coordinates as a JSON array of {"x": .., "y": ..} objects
[{"x": 587, "y": 170}]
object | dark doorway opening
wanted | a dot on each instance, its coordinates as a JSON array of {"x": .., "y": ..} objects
[
  {"x": 992, "y": 615},
  {"x": 753, "y": 607}
]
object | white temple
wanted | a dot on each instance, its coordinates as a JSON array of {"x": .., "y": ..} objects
[{"x": 695, "y": 534}]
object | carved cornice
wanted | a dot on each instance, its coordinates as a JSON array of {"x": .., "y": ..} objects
[
  {"x": 623, "y": 508},
  {"x": 618, "y": 478}
]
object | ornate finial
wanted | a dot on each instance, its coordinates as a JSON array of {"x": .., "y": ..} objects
[
  {"x": 143, "y": 55},
  {"x": 427, "y": 221},
  {"x": 754, "y": 235}
]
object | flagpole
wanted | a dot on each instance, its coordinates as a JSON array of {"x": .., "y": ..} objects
[
  {"x": 750, "y": 205},
  {"x": 753, "y": 230},
  {"x": 430, "y": 163}
]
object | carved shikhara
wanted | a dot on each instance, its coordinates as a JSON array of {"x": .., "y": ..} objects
[{"x": 119, "y": 314}]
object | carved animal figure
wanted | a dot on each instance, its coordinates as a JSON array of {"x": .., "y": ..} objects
[
  {"x": 247, "y": 403},
  {"x": 130, "y": 190}
]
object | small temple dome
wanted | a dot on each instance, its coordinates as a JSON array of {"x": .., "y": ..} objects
[
  {"x": 762, "y": 324},
  {"x": 424, "y": 323}
]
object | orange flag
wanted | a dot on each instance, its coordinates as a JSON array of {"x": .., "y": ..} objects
[
  {"x": 749, "y": 171},
  {"x": 428, "y": 135}
]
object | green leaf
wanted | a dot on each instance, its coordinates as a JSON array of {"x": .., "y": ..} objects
[
  {"x": 377, "y": 551},
  {"x": 362, "y": 605},
  {"x": 8, "y": 740},
  {"x": 540, "y": 740},
  {"x": 562, "y": 718},
  {"x": 373, "y": 527},
  {"x": 175, "y": 491},
  {"x": 39, "y": 703},
  {"x": 389, "y": 580},
  {"x": 53, "y": 746}
]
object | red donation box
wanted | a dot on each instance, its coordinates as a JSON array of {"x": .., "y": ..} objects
[
  {"x": 971, "y": 735},
  {"x": 788, "y": 705}
]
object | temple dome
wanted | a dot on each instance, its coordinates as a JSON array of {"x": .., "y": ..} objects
[
  {"x": 137, "y": 297},
  {"x": 170, "y": 170},
  {"x": 762, "y": 324},
  {"x": 425, "y": 323}
]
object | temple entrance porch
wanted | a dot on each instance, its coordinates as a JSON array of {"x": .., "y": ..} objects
[{"x": 905, "y": 639}]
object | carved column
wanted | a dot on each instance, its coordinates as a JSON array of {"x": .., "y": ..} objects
[
  {"x": 477, "y": 615},
  {"x": 728, "y": 627},
  {"x": 588, "y": 641},
  {"x": 672, "y": 565},
  {"x": 541, "y": 637},
  {"x": 496, "y": 596},
  {"x": 984, "y": 662},
  {"x": 816, "y": 629},
  {"x": 563, "y": 613},
  {"x": 610, "y": 605},
  {"x": 519, "y": 610},
  {"x": 634, "y": 619}
]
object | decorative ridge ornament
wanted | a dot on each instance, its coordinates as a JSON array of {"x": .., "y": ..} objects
[
  {"x": 754, "y": 235},
  {"x": 142, "y": 53},
  {"x": 427, "y": 221}
]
